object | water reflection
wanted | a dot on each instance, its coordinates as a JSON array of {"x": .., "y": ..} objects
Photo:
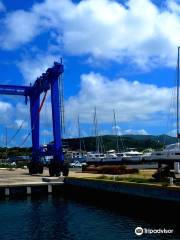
[{"x": 57, "y": 218}]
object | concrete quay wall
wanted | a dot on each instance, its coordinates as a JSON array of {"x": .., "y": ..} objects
[
  {"x": 166, "y": 193},
  {"x": 15, "y": 189}
]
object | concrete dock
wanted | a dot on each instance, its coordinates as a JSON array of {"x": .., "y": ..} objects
[
  {"x": 18, "y": 181},
  {"x": 21, "y": 176}
]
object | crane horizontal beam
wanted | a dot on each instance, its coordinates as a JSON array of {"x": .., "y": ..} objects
[
  {"x": 14, "y": 90},
  {"x": 42, "y": 84}
]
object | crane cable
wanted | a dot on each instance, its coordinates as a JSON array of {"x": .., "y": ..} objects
[
  {"x": 21, "y": 125},
  {"x": 39, "y": 110},
  {"x": 16, "y": 133}
]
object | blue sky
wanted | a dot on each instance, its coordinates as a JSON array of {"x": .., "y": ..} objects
[{"x": 117, "y": 54}]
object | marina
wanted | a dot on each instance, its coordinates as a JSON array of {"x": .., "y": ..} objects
[
  {"x": 89, "y": 120},
  {"x": 122, "y": 177}
]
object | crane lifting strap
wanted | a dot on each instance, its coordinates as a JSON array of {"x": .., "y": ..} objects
[{"x": 42, "y": 102}]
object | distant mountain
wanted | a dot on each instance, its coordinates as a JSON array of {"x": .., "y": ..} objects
[
  {"x": 107, "y": 142},
  {"x": 164, "y": 139}
]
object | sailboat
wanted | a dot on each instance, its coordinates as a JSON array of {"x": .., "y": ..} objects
[
  {"x": 97, "y": 156},
  {"x": 171, "y": 153},
  {"x": 80, "y": 156},
  {"x": 112, "y": 156}
]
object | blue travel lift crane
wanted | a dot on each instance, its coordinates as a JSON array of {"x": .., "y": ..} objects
[{"x": 47, "y": 81}]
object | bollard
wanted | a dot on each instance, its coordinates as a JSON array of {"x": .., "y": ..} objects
[
  {"x": 7, "y": 192},
  {"x": 28, "y": 190},
  {"x": 49, "y": 188},
  {"x": 177, "y": 167},
  {"x": 171, "y": 181}
]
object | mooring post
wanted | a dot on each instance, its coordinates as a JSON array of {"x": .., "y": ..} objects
[
  {"x": 49, "y": 188},
  {"x": 28, "y": 190},
  {"x": 171, "y": 182},
  {"x": 7, "y": 192},
  {"x": 176, "y": 167}
]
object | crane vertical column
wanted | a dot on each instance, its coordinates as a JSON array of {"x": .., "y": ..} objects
[
  {"x": 58, "y": 158},
  {"x": 55, "y": 101},
  {"x": 35, "y": 165},
  {"x": 57, "y": 165},
  {"x": 34, "y": 111}
]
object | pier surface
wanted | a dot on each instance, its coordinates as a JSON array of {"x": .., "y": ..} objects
[{"x": 21, "y": 176}]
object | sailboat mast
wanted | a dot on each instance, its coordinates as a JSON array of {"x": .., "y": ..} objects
[
  {"x": 115, "y": 126},
  {"x": 96, "y": 131},
  {"x": 178, "y": 135},
  {"x": 79, "y": 135},
  {"x": 6, "y": 143}
]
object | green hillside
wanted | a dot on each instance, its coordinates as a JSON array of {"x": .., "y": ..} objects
[{"x": 139, "y": 142}]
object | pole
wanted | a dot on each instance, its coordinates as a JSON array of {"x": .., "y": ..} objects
[
  {"x": 115, "y": 125},
  {"x": 79, "y": 135},
  {"x": 96, "y": 131},
  {"x": 6, "y": 142},
  {"x": 178, "y": 135}
]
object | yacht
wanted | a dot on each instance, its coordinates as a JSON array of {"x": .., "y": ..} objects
[
  {"x": 147, "y": 156},
  {"x": 128, "y": 156},
  {"x": 133, "y": 156},
  {"x": 112, "y": 157},
  {"x": 170, "y": 152},
  {"x": 94, "y": 158}
]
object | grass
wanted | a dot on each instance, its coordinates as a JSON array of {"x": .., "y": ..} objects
[
  {"x": 126, "y": 179},
  {"x": 142, "y": 177},
  {"x": 9, "y": 166},
  {"x": 5, "y": 165}
]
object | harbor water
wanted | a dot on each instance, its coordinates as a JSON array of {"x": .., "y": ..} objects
[{"x": 65, "y": 218}]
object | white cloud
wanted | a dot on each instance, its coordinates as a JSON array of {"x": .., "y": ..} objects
[
  {"x": 18, "y": 124},
  {"x": 133, "y": 101},
  {"x": 116, "y": 130},
  {"x": 6, "y": 111},
  {"x": 31, "y": 68},
  {"x": 104, "y": 29},
  {"x": 16, "y": 118},
  {"x": 46, "y": 132},
  {"x": 172, "y": 133},
  {"x": 12, "y": 116},
  {"x": 4, "y": 106},
  {"x": 174, "y": 6},
  {"x": 20, "y": 27},
  {"x": 22, "y": 110},
  {"x": 134, "y": 132},
  {"x": 2, "y": 7}
]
